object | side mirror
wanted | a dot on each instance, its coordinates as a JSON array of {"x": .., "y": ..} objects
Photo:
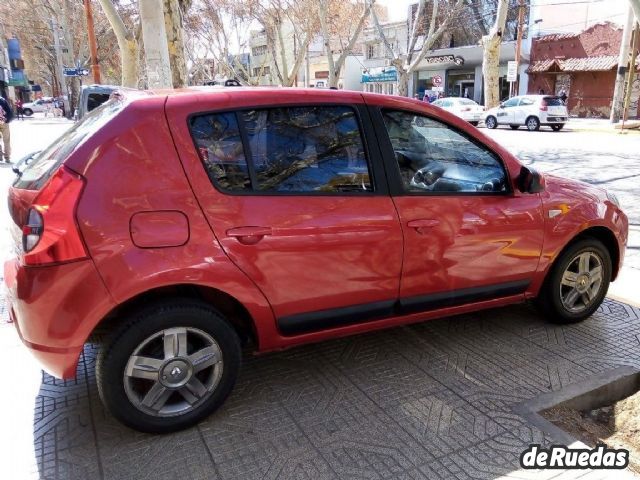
[
  {"x": 530, "y": 181},
  {"x": 501, "y": 105}
]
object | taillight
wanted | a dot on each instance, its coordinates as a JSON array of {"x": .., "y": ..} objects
[{"x": 50, "y": 234}]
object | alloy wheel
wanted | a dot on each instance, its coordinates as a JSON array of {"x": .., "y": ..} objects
[
  {"x": 581, "y": 282},
  {"x": 173, "y": 371}
]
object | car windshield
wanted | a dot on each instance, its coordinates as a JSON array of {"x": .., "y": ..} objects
[{"x": 40, "y": 169}]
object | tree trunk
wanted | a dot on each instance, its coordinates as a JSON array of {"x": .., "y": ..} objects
[
  {"x": 156, "y": 50},
  {"x": 623, "y": 64},
  {"x": 127, "y": 44},
  {"x": 175, "y": 42},
  {"x": 491, "y": 56},
  {"x": 403, "y": 82}
]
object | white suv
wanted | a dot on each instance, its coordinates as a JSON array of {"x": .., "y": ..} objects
[{"x": 532, "y": 111}]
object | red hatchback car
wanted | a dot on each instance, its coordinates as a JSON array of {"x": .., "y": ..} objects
[{"x": 182, "y": 224}]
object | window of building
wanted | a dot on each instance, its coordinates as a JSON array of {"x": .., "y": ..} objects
[
  {"x": 260, "y": 71},
  {"x": 433, "y": 157},
  {"x": 219, "y": 145},
  {"x": 371, "y": 50},
  {"x": 259, "y": 50}
]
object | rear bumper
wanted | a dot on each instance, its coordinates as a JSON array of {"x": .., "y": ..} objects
[{"x": 55, "y": 308}]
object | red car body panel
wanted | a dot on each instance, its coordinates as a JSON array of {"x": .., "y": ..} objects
[{"x": 279, "y": 256}]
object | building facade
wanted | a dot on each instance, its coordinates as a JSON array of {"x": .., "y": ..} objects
[{"x": 583, "y": 65}]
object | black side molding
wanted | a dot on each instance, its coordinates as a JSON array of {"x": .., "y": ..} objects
[
  {"x": 340, "y": 317},
  {"x": 336, "y": 317},
  {"x": 460, "y": 297}
]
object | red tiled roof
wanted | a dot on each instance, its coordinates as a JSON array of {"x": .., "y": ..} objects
[
  {"x": 541, "y": 66},
  {"x": 587, "y": 64},
  {"x": 554, "y": 37}
]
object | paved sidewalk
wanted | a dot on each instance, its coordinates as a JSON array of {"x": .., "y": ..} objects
[{"x": 432, "y": 400}]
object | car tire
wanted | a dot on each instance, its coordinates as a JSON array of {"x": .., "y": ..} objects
[
  {"x": 475, "y": 124},
  {"x": 27, "y": 112},
  {"x": 533, "y": 124},
  {"x": 167, "y": 366},
  {"x": 491, "y": 122},
  {"x": 577, "y": 283},
  {"x": 514, "y": 127},
  {"x": 557, "y": 128}
]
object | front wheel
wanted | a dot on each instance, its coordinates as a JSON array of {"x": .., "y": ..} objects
[
  {"x": 557, "y": 128},
  {"x": 491, "y": 122},
  {"x": 577, "y": 283},
  {"x": 533, "y": 124},
  {"x": 168, "y": 366},
  {"x": 475, "y": 124}
]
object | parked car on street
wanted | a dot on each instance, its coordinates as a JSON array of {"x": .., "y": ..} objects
[
  {"x": 38, "y": 106},
  {"x": 91, "y": 97},
  {"x": 181, "y": 225},
  {"x": 464, "y": 108},
  {"x": 532, "y": 111}
]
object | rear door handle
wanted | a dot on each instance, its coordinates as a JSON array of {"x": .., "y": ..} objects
[
  {"x": 249, "y": 235},
  {"x": 423, "y": 223}
]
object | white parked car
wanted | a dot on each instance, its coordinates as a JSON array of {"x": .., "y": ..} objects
[
  {"x": 38, "y": 106},
  {"x": 462, "y": 107},
  {"x": 532, "y": 111}
]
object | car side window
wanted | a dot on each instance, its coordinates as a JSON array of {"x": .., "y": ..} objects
[
  {"x": 219, "y": 145},
  {"x": 307, "y": 149},
  {"x": 526, "y": 101},
  {"x": 512, "y": 102},
  {"x": 435, "y": 158}
]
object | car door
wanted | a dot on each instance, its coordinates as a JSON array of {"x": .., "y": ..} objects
[
  {"x": 299, "y": 203},
  {"x": 506, "y": 112},
  {"x": 523, "y": 110},
  {"x": 467, "y": 235}
]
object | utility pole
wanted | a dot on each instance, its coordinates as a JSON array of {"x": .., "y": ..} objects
[
  {"x": 623, "y": 60},
  {"x": 95, "y": 66},
  {"x": 156, "y": 47},
  {"x": 635, "y": 45},
  {"x": 519, "y": 43},
  {"x": 60, "y": 69}
]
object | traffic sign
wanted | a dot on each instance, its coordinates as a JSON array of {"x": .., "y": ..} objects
[
  {"x": 512, "y": 71},
  {"x": 75, "y": 72},
  {"x": 437, "y": 81}
]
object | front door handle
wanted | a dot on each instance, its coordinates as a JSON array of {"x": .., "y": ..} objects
[
  {"x": 423, "y": 223},
  {"x": 249, "y": 235}
]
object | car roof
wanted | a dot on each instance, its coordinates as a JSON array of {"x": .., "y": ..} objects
[{"x": 270, "y": 95}]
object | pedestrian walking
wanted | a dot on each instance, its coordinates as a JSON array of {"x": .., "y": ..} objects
[
  {"x": 6, "y": 115},
  {"x": 19, "y": 109},
  {"x": 563, "y": 96}
]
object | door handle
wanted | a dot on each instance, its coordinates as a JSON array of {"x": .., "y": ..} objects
[
  {"x": 423, "y": 223},
  {"x": 249, "y": 235}
]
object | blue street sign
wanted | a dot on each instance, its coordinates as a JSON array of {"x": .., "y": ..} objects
[{"x": 75, "y": 72}]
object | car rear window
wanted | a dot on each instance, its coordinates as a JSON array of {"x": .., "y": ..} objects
[
  {"x": 44, "y": 164},
  {"x": 553, "y": 101}
]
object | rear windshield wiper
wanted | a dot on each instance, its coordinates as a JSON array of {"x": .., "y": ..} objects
[{"x": 20, "y": 165}]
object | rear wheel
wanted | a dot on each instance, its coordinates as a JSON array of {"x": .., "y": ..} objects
[
  {"x": 514, "y": 127},
  {"x": 533, "y": 124},
  {"x": 557, "y": 128},
  {"x": 491, "y": 122},
  {"x": 168, "y": 366},
  {"x": 28, "y": 112},
  {"x": 577, "y": 283}
]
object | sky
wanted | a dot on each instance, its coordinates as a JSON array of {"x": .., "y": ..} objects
[{"x": 397, "y": 9}]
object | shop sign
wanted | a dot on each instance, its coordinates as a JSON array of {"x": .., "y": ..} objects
[
  {"x": 512, "y": 71},
  {"x": 444, "y": 59},
  {"x": 379, "y": 74}
]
